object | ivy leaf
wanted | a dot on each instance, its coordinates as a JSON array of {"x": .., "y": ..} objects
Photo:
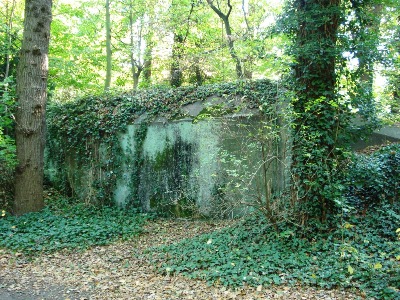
[
  {"x": 377, "y": 266},
  {"x": 350, "y": 269}
]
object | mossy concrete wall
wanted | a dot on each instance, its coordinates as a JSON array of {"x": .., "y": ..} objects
[
  {"x": 184, "y": 165},
  {"x": 196, "y": 166}
]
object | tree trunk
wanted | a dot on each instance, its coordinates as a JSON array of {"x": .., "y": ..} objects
[
  {"x": 316, "y": 121},
  {"x": 228, "y": 31},
  {"x": 176, "y": 76},
  {"x": 148, "y": 60},
  {"x": 32, "y": 74},
  {"x": 135, "y": 76},
  {"x": 107, "y": 83},
  {"x": 176, "y": 72}
]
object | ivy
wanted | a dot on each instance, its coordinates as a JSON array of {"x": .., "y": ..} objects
[
  {"x": 65, "y": 225},
  {"x": 326, "y": 95},
  {"x": 86, "y": 131},
  {"x": 360, "y": 253},
  {"x": 375, "y": 178}
]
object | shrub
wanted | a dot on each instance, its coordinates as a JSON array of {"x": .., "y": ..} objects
[
  {"x": 375, "y": 178},
  {"x": 7, "y": 143}
]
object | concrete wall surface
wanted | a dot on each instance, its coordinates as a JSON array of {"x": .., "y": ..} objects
[{"x": 193, "y": 166}]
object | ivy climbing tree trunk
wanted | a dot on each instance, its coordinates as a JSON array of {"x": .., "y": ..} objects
[
  {"x": 316, "y": 107},
  {"x": 180, "y": 35},
  {"x": 32, "y": 74},
  {"x": 148, "y": 59}
]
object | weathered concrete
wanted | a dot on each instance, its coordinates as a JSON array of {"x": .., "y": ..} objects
[
  {"x": 384, "y": 135},
  {"x": 185, "y": 164},
  {"x": 202, "y": 165}
]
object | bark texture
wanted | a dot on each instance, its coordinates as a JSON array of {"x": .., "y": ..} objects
[{"x": 32, "y": 74}]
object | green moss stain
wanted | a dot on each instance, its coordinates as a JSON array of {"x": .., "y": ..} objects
[
  {"x": 170, "y": 171},
  {"x": 137, "y": 164}
]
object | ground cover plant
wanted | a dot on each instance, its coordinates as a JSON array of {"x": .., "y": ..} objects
[
  {"x": 374, "y": 178},
  {"x": 361, "y": 253},
  {"x": 358, "y": 249},
  {"x": 63, "y": 225}
]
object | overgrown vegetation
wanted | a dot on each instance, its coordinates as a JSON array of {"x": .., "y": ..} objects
[
  {"x": 333, "y": 102},
  {"x": 375, "y": 178},
  {"x": 85, "y": 131},
  {"x": 361, "y": 253},
  {"x": 7, "y": 143},
  {"x": 65, "y": 225}
]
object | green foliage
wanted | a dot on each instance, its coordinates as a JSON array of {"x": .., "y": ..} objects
[
  {"x": 76, "y": 58},
  {"x": 374, "y": 178},
  {"x": 63, "y": 225},
  {"x": 327, "y": 93},
  {"x": 7, "y": 103},
  {"x": 362, "y": 253},
  {"x": 7, "y": 144},
  {"x": 86, "y": 130},
  {"x": 392, "y": 43}
]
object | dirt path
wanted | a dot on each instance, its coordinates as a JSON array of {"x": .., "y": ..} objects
[{"x": 119, "y": 271}]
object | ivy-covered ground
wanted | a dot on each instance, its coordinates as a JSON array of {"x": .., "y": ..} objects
[
  {"x": 183, "y": 259},
  {"x": 362, "y": 254},
  {"x": 127, "y": 270}
]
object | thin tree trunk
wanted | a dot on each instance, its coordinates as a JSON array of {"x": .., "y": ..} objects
[
  {"x": 32, "y": 74},
  {"x": 228, "y": 31},
  {"x": 148, "y": 59},
  {"x": 136, "y": 66},
  {"x": 176, "y": 71},
  {"x": 9, "y": 17},
  {"x": 107, "y": 83}
]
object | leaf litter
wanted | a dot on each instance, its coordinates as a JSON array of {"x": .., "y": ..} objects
[{"x": 122, "y": 271}]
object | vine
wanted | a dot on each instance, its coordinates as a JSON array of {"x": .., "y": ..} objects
[
  {"x": 323, "y": 122},
  {"x": 86, "y": 131}
]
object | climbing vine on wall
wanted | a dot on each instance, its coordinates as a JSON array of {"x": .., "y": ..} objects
[{"x": 85, "y": 132}]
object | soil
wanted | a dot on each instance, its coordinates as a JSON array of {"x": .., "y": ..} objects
[{"x": 119, "y": 271}]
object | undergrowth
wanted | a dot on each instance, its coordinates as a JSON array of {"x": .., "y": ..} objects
[
  {"x": 63, "y": 225},
  {"x": 362, "y": 253}
]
